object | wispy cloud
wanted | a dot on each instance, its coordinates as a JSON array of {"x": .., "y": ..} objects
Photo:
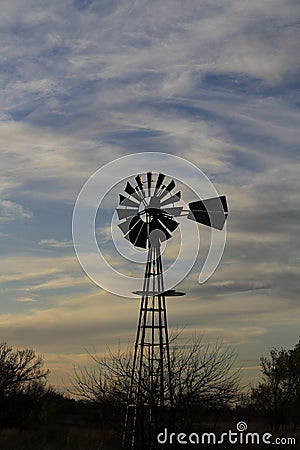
[
  {"x": 65, "y": 243},
  {"x": 10, "y": 211},
  {"x": 25, "y": 299}
]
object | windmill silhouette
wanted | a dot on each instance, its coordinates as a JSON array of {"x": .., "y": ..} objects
[{"x": 147, "y": 219}]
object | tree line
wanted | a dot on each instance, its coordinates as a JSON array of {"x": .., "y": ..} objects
[{"x": 206, "y": 386}]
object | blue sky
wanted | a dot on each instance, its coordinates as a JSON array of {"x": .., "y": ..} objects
[{"x": 85, "y": 82}]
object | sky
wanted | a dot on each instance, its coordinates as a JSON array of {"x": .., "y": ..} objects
[{"x": 87, "y": 81}]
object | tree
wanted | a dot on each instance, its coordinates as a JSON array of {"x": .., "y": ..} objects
[
  {"x": 202, "y": 376},
  {"x": 203, "y": 373},
  {"x": 22, "y": 386},
  {"x": 20, "y": 370},
  {"x": 278, "y": 395}
]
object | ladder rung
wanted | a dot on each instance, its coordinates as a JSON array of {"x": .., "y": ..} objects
[
  {"x": 151, "y": 309},
  {"x": 149, "y": 344}
]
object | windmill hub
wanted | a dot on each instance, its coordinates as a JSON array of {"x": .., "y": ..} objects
[
  {"x": 153, "y": 212},
  {"x": 148, "y": 211}
]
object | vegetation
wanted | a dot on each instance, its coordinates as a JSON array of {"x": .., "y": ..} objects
[
  {"x": 20, "y": 370},
  {"x": 201, "y": 375},
  {"x": 277, "y": 397},
  {"x": 34, "y": 414}
]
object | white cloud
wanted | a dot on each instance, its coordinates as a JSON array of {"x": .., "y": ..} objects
[
  {"x": 269, "y": 56},
  {"x": 25, "y": 300},
  {"x": 10, "y": 211},
  {"x": 65, "y": 243}
]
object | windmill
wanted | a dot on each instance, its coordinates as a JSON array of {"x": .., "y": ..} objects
[{"x": 147, "y": 219}]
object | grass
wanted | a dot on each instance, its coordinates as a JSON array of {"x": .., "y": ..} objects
[
  {"x": 59, "y": 438},
  {"x": 84, "y": 437}
]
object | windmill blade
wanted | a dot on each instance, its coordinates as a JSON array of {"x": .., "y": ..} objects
[
  {"x": 159, "y": 181},
  {"x": 124, "y": 201},
  {"x": 140, "y": 183},
  {"x": 131, "y": 191},
  {"x": 124, "y": 226},
  {"x": 167, "y": 189},
  {"x": 142, "y": 238},
  {"x": 128, "y": 225},
  {"x": 124, "y": 213},
  {"x": 176, "y": 211},
  {"x": 168, "y": 222},
  {"x": 149, "y": 182},
  {"x": 173, "y": 199},
  {"x": 211, "y": 212},
  {"x": 138, "y": 232}
]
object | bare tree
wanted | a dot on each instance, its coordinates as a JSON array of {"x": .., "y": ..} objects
[
  {"x": 20, "y": 370},
  {"x": 202, "y": 374}
]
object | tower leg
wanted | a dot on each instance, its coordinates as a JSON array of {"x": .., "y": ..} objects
[{"x": 150, "y": 392}]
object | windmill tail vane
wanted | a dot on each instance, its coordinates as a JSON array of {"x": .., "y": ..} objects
[{"x": 147, "y": 215}]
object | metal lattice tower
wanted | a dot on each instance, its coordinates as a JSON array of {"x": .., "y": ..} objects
[
  {"x": 147, "y": 221},
  {"x": 151, "y": 384}
]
